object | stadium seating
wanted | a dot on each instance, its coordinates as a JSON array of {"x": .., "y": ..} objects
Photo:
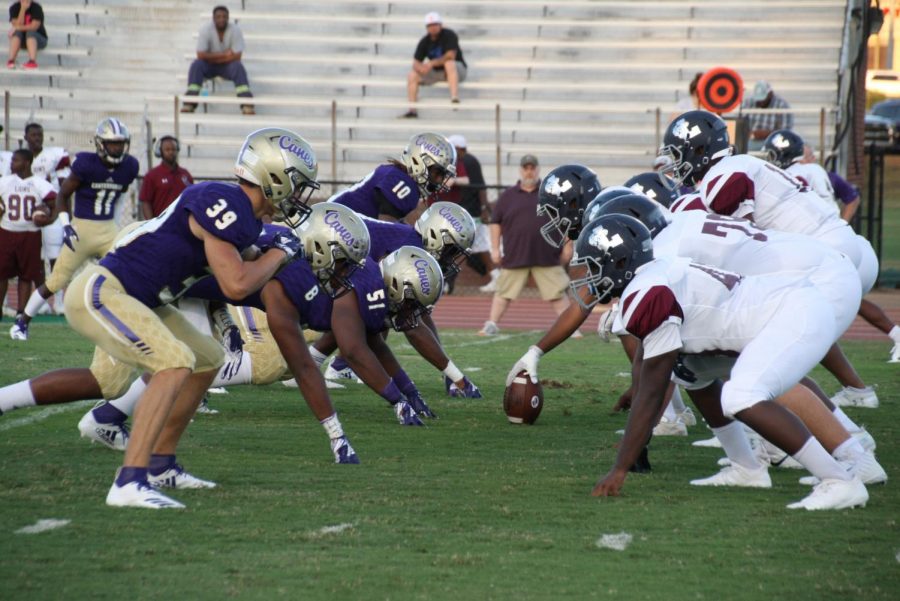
[{"x": 574, "y": 80}]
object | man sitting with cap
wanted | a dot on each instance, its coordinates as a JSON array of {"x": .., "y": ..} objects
[
  {"x": 438, "y": 57},
  {"x": 762, "y": 124}
]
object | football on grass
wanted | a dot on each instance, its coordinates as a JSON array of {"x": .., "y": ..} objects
[
  {"x": 41, "y": 216},
  {"x": 523, "y": 400}
]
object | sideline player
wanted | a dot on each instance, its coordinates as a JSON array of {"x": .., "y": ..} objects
[
  {"x": 20, "y": 238},
  {"x": 98, "y": 181}
]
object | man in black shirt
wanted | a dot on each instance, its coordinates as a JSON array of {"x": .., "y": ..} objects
[
  {"x": 438, "y": 57},
  {"x": 26, "y": 19}
]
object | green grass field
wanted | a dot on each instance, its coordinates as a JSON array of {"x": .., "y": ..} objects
[{"x": 467, "y": 508}]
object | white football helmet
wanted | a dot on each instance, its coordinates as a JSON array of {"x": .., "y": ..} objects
[
  {"x": 448, "y": 232},
  {"x": 111, "y": 130},
  {"x": 413, "y": 281},
  {"x": 430, "y": 160},
  {"x": 335, "y": 243},
  {"x": 284, "y": 165}
]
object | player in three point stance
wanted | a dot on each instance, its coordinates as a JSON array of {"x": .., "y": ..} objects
[
  {"x": 98, "y": 180},
  {"x": 674, "y": 306},
  {"x": 394, "y": 190},
  {"x": 123, "y": 304}
]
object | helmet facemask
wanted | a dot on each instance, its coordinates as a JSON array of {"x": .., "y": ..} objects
[
  {"x": 450, "y": 257},
  {"x": 295, "y": 209},
  {"x": 557, "y": 230},
  {"x": 599, "y": 287},
  {"x": 335, "y": 278},
  {"x": 406, "y": 314}
]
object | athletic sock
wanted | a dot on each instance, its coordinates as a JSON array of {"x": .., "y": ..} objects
[
  {"x": 161, "y": 463},
  {"x": 34, "y": 304},
  {"x": 677, "y": 402},
  {"x": 16, "y": 396},
  {"x": 669, "y": 414},
  {"x": 128, "y": 401},
  {"x": 129, "y": 474},
  {"x": 895, "y": 334},
  {"x": 107, "y": 414},
  {"x": 844, "y": 420},
  {"x": 333, "y": 426},
  {"x": 339, "y": 363},
  {"x": 737, "y": 446},
  {"x": 820, "y": 464}
]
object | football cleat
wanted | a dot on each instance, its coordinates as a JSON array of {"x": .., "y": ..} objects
[
  {"x": 895, "y": 354},
  {"x": 112, "y": 435},
  {"x": 205, "y": 408},
  {"x": 468, "y": 391},
  {"x": 489, "y": 329},
  {"x": 140, "y": 494},
  {"x": 866, "y": 468},
  {"x": 420, "y": 407},
  {"x": 176, "y": 477},
  {"x": 865, "y": 439},
  {"x": 834, "y": 494},
  {"x": 856, "y": 397},
  {"x": 341, "y": 374},
  {"x": 710, "y": 443},
  {"x": 670, "y": 428},
  {"x": 687, "y": 417},
  {"x": 737, "y": 475},
  {"x": 406, "y": 415},
  {"x": 19, "y": 331},
  {"x": 343, "y": 452}
]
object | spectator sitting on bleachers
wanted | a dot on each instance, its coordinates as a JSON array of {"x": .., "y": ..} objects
[
  {"x": 219, "y": 49},
  {"x": 438, "y": 57},
  {"x": 763, "y": 124},
  {"x": 26, "y": 20}
]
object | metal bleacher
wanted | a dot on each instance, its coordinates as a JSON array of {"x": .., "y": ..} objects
[{"x": 570, "y": 81}]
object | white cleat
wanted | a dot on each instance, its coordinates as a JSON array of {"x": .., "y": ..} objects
[
  {"x": 176, "y": 477},
  {"x": 710, "y": 443},
  {"x": 856, "y": 397},
  {"x": 866, "y": 468},
  {"x": 687, "y": 417},
  {"x": 113, "y": 436},
  {"x": 669, "y": 428},
  {"x": 834, "y": 494},
  {"x": 341, "y": 374},
  {"x": 140, "y": 494},
  {"x": 865, "y": 439},
  {"x": 736, "y": 475},
  {"x": 895, "y": 354},
  {"x": 19, "y": 332}
]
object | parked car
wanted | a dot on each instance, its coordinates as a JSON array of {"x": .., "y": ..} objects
[
  {"x": 883, "y": 126},
  {"x": 883, "y": 82}
]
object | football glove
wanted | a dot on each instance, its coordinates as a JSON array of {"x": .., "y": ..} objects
[
  {"x": 529, "y": 363},
  {"x": 70, "y": 236},
  {"x": 234, "y": 350},
  {"x": 419, "y": 406},
  {"x": 288, "y": 243},
  {"x": 604, "y": 328},
  {"x": 468, "y": 391},
  {"x": 406, "y": 415}
]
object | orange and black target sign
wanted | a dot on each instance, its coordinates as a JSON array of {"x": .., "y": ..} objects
[{"x": 720, "y": 90}]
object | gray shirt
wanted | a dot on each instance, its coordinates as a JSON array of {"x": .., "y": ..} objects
[{"x": 208, "y": 41}]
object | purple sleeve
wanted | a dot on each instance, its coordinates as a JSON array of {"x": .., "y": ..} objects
[
  {"x": 843, "y": 190},
  {"x": 225, "y": 212},
  {"x": 81, "y": 166}
]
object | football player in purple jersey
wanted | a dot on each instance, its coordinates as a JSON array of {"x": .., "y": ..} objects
[
  {"x": 98, "y": 180},
  {"x": 123, "y": 304},
  {"x": 393, "y": 190},
  {"x": 446, "y": 231}
]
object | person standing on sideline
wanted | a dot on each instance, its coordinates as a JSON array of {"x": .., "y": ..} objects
[
  {"x": 219, "y": 49},
  {"x": 438, "y": 57},
  {"x": 166, "y": 181},
  {"x": 26, "y": 19},
  {"x": 516, "y": 222}
]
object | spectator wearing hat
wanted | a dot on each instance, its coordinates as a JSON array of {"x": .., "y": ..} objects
[
  {"x": 165, "y": 182},
  {"x": 762, "y": 124},
  {"x": 515, "y": 221},
  {"x": 438, "y": 57}
]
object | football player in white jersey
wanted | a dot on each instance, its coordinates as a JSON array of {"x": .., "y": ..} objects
[
  {"x": 778, "y": 326},
  {"x": 21, "y": 193},
  {"x": 736, "y": 245},
  {"x": 744, "y": 186},
  {"x": 51, "y": 163}
]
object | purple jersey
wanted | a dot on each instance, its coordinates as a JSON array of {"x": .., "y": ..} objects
[
  {"x": 368, "y": 285},
  {"x": 160, "y": 259},
  {"x": 386, "y": 237},
  {"x": 387, "y": 184},
  {"x": 843, "y": 190},
  {"x": 101, "y": 187}
]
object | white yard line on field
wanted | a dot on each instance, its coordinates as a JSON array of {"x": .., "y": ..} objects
[{"x": 41, "y": 415}]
